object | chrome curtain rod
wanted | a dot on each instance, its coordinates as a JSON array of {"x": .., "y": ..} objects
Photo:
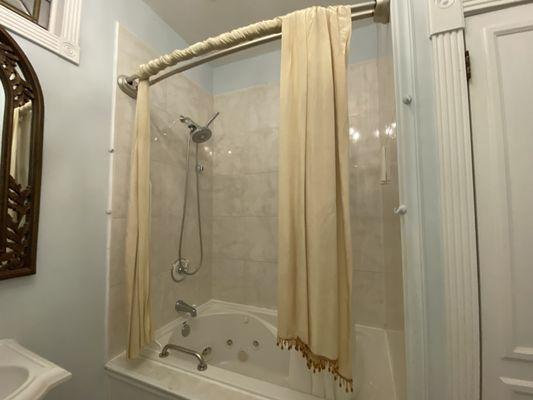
[{"x": 379, "y": 9}]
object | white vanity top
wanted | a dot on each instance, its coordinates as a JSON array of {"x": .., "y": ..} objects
[{"x": 24, "y": 375}]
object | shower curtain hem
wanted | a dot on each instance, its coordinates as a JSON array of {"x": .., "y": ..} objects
[{"x": 316, "y": 362}]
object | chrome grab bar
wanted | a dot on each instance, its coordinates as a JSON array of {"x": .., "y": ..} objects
[{"x": 202, "y": 365}]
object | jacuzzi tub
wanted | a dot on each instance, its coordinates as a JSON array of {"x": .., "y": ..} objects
[{"x": 239, "y": 345}]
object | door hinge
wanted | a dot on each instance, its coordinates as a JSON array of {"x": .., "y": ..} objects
[{"x": 468, "y": 65}]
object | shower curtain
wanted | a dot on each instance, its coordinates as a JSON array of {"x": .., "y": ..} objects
[
  {"x": 314, "y": 278},
  {"x": 137, "y": 255}
]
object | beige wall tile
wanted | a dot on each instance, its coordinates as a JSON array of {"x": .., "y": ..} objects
[
  {"x": 196, "y": 290},
  {"x": 367, "y": 244},
  {"x": 167, "y": 136},
  {"x": 164, "y": 240},
  {"x": 246, "y": 152},
  {"x": 229, "y": 280},
  {"x": 363, "y": 88},
  {"x": 187, "y": 98},
  {"x": 167, "y": 184},
  {"x": 117, "y": 274},
  {"x": 124, "y": 121},
  {"x": 365, "y": 193},
  {"x": 119, "y": 199},
  {"x": 132, "y": 53},
  {"x": 253, "y": 108},
  {"x": 117, "y": 327},
  {"x": 368, "y": 299},
  {"x": 261, "y": 284},
  {"x": 366, "y": 146},
  {"x": 245, "y": 195},
  {"x": 158, "y": 297},
  {"x": 245, "y": 238}
]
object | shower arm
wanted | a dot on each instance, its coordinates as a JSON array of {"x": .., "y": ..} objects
[
  {"x": 379, "y": 9},
  {"x": 212, "y": 119}
]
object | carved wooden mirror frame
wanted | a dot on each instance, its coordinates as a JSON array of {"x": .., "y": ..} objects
[{"x": 19, "y": 204}]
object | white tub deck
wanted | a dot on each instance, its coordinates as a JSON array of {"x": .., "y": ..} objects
[{"x": 242, "y": 370}]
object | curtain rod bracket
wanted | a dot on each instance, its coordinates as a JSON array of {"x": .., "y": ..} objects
[
  {"x": 382, "y": 11},
  {"x": 128, "y": 84}
]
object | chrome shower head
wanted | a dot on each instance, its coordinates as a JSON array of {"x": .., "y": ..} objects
[{"x": 199, "y": 134}]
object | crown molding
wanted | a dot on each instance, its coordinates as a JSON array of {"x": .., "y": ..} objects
[
  {"x": 63, "y": 36},
  {"x": 473, "y": 7}
]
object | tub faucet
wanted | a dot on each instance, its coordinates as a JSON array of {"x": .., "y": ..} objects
[{"x": 181, "y": 306}]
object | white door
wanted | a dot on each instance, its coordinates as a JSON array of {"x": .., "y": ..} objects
[{"x": 501, "y": 88}]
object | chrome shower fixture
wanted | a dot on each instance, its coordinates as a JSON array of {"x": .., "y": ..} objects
[
  {"x": 199, "y": 134},
  {"x": 180, "y": 268}
]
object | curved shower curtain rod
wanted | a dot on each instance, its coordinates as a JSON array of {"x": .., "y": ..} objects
[{"x": 379, "y": 9}]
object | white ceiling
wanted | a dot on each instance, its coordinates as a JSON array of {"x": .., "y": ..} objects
[{"x": 196, "y": 20}]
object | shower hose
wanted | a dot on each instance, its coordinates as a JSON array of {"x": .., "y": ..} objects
[{"x": 181, "y": 263}]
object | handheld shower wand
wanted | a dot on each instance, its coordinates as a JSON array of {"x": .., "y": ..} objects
[{"x": 198, "y": 134}]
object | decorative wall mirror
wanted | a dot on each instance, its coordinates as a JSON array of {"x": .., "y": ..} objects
[{"x": 21, "y": 102}]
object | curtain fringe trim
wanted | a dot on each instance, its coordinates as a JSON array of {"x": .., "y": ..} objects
[{"x": 316, "y": 363}]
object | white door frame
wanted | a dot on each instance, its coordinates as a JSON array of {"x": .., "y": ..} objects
[{"x": 436, "y": 184}]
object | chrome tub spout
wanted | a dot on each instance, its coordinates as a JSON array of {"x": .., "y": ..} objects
[
  {"x": 181, "y": 306},
  {"x": 202, "y": 365}
]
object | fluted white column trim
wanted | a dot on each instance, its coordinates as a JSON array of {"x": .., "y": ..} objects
[{"x": 458, "y": 213}]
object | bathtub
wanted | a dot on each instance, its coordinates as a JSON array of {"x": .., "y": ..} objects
[{"x": 239, "y": 344}]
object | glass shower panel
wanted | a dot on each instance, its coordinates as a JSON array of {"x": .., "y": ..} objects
[{"x": 377, "y": 299}]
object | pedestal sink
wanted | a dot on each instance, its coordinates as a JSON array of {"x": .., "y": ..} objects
[
  {"x": 11, "y": 378},
  {"x": 24, "y": 375}
]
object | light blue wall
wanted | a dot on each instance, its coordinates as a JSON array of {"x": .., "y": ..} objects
[
  {"x": 60, "y": 312},
  {"x": 265, "y": 68},
  {"x": 140, "y": 20}
]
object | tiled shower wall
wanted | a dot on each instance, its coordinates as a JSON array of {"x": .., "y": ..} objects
[
  {"x": 239, "y": 196},
  {"x": 177, "y": 96},
  {"x": 245, "y": 198}
]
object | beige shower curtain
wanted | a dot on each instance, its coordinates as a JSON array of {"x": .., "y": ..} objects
[
  {"x": 137, "y": 255},
  {"x": 314, "y": 259}
]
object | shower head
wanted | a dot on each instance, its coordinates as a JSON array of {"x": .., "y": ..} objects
[{"x": 199, "y": 134}]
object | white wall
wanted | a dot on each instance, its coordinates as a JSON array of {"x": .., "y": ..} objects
[{"x": 59, "y": 313}]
